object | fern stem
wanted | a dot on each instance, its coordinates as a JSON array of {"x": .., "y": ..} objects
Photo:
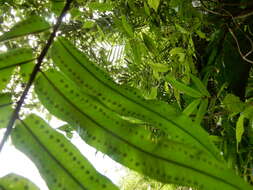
[{"x": 34, "y": 73}]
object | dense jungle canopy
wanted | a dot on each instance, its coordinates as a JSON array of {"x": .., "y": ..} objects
[{"x": 164, "y": 87}]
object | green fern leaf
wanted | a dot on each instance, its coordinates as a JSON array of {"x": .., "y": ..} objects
[
  {"x": 16, "y": 182},
  {"x": 11, "y": 59},
  {"x": 5, "y": 109},
  {"x": 33, "y": 24},
  {"x": 130, "y": 144},
  {"x": 59, "y": 162},
  {"x": 126, "y": 101}
]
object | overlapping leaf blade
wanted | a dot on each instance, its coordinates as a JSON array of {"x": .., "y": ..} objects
[
  {"x": 199, "y": 84},
  {"x": 168, "y": 161},
  {"x": 32, "y": 24},
  {"x": 11, "y": 59},
  {"x": 5, "y": 109},
  {"x": 191, "y": 107},
  {"x": 16, "y": 182},
  {"x": 59, "y": 162},
  {"x": 127, "y": 101}
]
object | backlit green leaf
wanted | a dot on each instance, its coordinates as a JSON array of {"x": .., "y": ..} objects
[
  {"x": 5, "y": 76},
  {"x": 239, "y": 129},
  {"x": 16, "y": 182},
  {"x": 129, "y": 143},
  {"x": 248, "y": 112},
  {"x": 5, "y": 109},
  {"x": 101, "y": 6},
  {"x": 159, "y": 67},
  {"x": 11, "y": 59},
  {"x": 88, "y": 24},
  {"x": 59, "y": 162},
  {"x": 26, "y": 70},
  {"x": 33, "y": 24},
  {"x": 154, "y": 4},
  {"x": 125, "y": 100}
]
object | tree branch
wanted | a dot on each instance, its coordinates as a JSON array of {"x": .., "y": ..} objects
[
  {"x": 34, "y": 73},
  {"x": 244, "y": 57}
]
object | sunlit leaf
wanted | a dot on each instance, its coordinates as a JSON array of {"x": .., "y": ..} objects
[
  {"x": 239, "y": 129},
  {"x": 5, "y": 109},
  {"x": 129, "y": 143},
  {"x": 68, "y": 129},
  {"x": 159, "y": 67},
  {"x": 16, "y": 182},
  {"x": 101, "y": 6},
  {"x": 33, "y": 24},
  {"x": 26, "y": 70},
  {"x": 183, "y": 88},
  {"x": 154, "y": 4},
  {"x": 11, "y": 59},
  {"x": 59, "y": 162},
  {"x": 125, "y": 100},
  {"x": 88, "y": 24}
]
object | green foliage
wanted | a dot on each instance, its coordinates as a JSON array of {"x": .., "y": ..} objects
[
  {"x": 16, "y": 182},
  {"x": 136, "y": 181},
  {"x": 33, "y": 24},
  {"x": 5, "y": 109},
  {"x": 12, "y": 59},
  {"x": 185, "y": 57},
  {"x": 59, "y": 162}
]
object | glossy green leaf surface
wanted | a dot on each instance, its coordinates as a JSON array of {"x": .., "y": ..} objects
[
  {"x": 126, "y": 101},
  {"x": 16, "y": 182},
  {"x": 130, "y": 143},
  {"x": 59, "y": 162},
  {"x": 5, "y": 109},
  {"x": 33, "y": 24}
]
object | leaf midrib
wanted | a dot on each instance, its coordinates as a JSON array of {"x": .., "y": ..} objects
[
  {"x": 51, "y": 155},
  {"x": 132, "y": 145},
  {"x": 147, "y": 108},
  {"x": 17, "y": 64}
]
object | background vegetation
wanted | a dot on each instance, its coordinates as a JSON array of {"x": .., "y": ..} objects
[{"x": 193, "y": 55}]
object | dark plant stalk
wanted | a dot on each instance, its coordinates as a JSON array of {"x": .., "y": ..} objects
[{"x": 34, "y": 73}]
